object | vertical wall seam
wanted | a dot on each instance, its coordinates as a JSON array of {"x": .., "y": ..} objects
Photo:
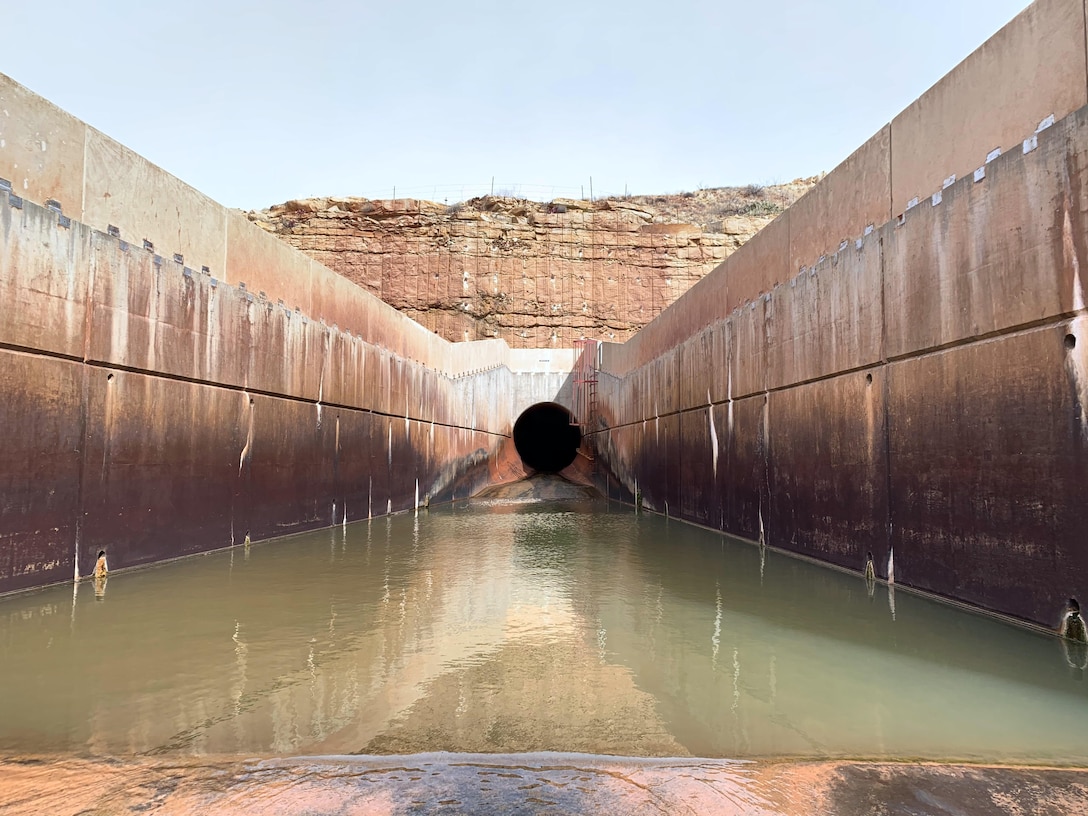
[
  {"x": 891, "y": 174},
  {"x": 83, "y": 181},
  {"x": 886, "y": 408},
  {"x": 226, "y": 244},
  {"x": 81, "y": 466},
  {"x": 85, "y": 372},
  {"x": 1084, "y": 18}
]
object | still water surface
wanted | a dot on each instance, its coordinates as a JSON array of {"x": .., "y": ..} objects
[{"x": 570, "y": 627}]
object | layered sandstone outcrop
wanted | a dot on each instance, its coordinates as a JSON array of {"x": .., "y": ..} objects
[{"x": 535, "y": 274}]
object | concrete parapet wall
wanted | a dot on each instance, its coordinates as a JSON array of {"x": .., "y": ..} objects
[
  {"x": 1032, "y": 68},
  {"x": 1029, "y": 74},
  {"x": 49, "y": 155},
  {"x": 41, "y": 148},
  {"x": 918, "y": 393},
  {"x": 854, "y": 196}
]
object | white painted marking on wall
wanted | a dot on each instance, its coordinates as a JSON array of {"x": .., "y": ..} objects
[
  {"x": 1043, "y": 125},
  {"x": 729, "y": 395},
  {"x": 1030, "y": 144},
  {"x": 417, "y": 497},
  {"x": 993, "y": 154},
  {"x": 1077, "y": 357},
  {"x": 1072, "y": 259},
  {"x": 713, "y": 439},
  {"x": 936, "y": 198},
  {"x": 948, "y": 182},
  {"x": 891, "y": 565},
  {"x": 249, "y": 434},
  {"x": 390, "y": 454},
  {"x": 980, "y": 174},
  {"x": 912, "y": 203},
  {"x": 869, "y": 229}
]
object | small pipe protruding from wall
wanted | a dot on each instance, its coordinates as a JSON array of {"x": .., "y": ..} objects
[
  {"x": 1072, "y": 623},
  {"x": 101, "y": 568}
]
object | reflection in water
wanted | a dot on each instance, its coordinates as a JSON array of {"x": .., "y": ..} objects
[
  {"x": 1076, "y": 655},
  {"x": 570, "y": 627}
]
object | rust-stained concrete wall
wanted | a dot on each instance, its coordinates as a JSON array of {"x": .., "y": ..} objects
[
  {"x": 864, "y": 376},
  {"x": 172, "y": 397},
  {"x": 153, "y": 411},
  {"x": 920, "y": 394}
]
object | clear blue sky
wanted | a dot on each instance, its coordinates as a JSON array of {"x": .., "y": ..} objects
[{"x": 256, "y": 103}]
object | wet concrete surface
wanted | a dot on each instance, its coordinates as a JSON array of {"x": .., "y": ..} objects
[
  {"x": 537, "y": 488},
  {"x": 550, "y": 783}
]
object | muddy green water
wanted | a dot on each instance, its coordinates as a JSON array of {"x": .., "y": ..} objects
[{"x": 569, "y": 627}]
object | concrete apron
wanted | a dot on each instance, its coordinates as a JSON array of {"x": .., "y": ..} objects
[{"x": 552, "y": 783}]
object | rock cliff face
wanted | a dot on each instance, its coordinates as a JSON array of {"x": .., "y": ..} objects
[{"x": 536, "y": 275}]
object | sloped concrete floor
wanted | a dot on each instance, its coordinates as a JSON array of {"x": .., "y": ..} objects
[{"x": 543, "y": 783}]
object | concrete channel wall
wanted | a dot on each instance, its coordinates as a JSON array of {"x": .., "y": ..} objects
[
  {"x": 179, "y": 395},
  {"x": 899, "y": 362}
]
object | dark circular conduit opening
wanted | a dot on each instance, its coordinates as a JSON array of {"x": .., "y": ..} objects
[{"x": 545, "y": 438}]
